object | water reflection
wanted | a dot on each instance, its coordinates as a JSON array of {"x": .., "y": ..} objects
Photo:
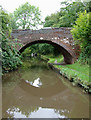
[
  {"x": 36, "y": 83},
  {"x": 37, "y": 113},
  {"x": 36, "y": 91}
]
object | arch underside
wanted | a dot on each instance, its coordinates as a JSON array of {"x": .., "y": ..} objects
[{"x": 66, "y": 52}]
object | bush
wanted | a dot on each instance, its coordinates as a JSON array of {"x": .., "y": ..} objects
[
  {"x": 10, "y": 56},
  {"x": 81, "y": 34}
]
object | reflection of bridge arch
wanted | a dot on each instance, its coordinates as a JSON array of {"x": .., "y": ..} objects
[
  {"x": 26, "y": 97},
  {"x": 58, "y": 37},
  {"x": 27, "y": 102}
]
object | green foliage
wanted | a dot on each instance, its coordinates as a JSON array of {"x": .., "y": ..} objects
[
  {"x": 10, "y": 57},
  {"x": 26, "y": 52},
  {"x": 27, "y": 16},
  {"x": 82, "y": 34},
  {"x": 67, "y": 15},
  {"x": 52, "y": 21},
  {"x": 5, "y": 22},
  {"x": 41, "y": 49},
  {"x": 13, "y": 21},
  {"x": 45, "y": 49},
  {"x": 70, "y": 12}
]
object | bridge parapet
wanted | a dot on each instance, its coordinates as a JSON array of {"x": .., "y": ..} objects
[{"x": 59, "y": 34}]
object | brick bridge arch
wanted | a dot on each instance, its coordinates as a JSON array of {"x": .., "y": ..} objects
[{"x": 58, "y": 37}]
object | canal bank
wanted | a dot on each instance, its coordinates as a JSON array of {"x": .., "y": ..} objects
[{"x": 76, "y": 73}]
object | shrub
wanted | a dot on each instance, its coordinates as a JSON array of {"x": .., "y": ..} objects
[
  {"x": 10, "y": 58},
  {"x": 81, "y": 34}
]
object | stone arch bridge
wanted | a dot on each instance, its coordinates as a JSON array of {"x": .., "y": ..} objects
[{"x": 58, "y": 37}]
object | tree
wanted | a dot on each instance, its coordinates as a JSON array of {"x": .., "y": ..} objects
[
  {"x": 53, "y": 20},
  {"x": 71, "y": 11},
  {"x": 67, "y": 15},
  {"x": 5, "y": 22},
  {"x": 13, "y": 21},
  {"x": 82, "y": 34},
  {"x": 27, "y": 16}
]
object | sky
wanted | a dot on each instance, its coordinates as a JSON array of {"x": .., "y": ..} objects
[{"x": 46, "y": 6}]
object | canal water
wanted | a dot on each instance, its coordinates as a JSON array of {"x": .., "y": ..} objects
[{"x": 36, "y": 91}]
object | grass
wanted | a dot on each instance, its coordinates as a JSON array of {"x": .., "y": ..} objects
[
  {"x": 77, "y": 72},
  {"x": 84, "y": 69},
  {"x": 74, "y": 73},
  {"x": 52, "y": 58}
]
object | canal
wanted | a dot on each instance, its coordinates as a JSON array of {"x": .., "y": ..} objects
[{"x": 36, "y": 91}]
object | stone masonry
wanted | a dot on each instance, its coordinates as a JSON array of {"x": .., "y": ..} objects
[{"x": 58, "y": 37}]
